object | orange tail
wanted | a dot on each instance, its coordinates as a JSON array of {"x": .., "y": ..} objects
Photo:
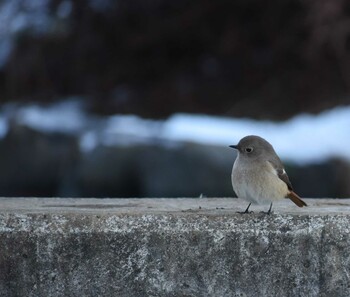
[{"x": 296, "y": 199}]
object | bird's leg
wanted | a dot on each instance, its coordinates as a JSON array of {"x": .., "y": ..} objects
[
  {"x": 269, "y": 211},
  {"x": 246, "y": 211}
]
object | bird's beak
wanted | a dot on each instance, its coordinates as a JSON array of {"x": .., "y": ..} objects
[{"x": 234, "y": 146}]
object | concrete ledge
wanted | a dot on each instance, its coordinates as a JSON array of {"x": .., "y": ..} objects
[{"x": 172, "y": 247}]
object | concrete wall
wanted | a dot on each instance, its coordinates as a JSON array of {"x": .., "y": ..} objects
[{"x": 172, "y": 247}]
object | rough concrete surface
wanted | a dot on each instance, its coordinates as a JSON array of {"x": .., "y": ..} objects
[{"x": 173, "y": 247}]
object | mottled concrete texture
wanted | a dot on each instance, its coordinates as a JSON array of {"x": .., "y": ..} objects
[{"x": 172, "y": 247}]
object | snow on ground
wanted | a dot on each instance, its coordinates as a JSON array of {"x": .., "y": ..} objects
[
  {"x": 66, "y": 117},
  {"x": 302, "y": 139}
]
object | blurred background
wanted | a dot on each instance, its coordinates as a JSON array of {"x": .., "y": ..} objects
[{"x": 134, "y": 98}]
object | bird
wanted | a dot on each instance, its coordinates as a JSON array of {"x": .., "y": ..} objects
[{"x": 258, "y": 175}]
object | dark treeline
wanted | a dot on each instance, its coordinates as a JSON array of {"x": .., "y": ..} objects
[{"x": 234, "y": 58}]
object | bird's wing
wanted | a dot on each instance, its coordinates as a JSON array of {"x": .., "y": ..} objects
[{"x": 281, "y": 173}]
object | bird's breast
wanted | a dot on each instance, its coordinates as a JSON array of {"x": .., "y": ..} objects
[{"x": 257, "y": 183}]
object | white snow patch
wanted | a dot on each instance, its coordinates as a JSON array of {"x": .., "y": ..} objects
[
  {"x": 67, "y": 116},
  {"x": 302, "y": 139}
]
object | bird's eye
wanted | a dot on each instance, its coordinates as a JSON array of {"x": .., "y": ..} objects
[{"x": 248, "y": 149}]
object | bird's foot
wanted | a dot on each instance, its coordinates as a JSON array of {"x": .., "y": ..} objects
[
  {"x": 269, "y": 211},
  {"x": 246, "y": 211}
]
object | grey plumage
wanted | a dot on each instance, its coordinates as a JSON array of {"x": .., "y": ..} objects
[{"x": 258, "y": 174}]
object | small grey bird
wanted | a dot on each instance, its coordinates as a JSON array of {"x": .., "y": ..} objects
[{"x": 258, "y": 175}]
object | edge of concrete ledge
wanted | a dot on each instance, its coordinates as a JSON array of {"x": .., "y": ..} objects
[{"x": 205, "y": 206}]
